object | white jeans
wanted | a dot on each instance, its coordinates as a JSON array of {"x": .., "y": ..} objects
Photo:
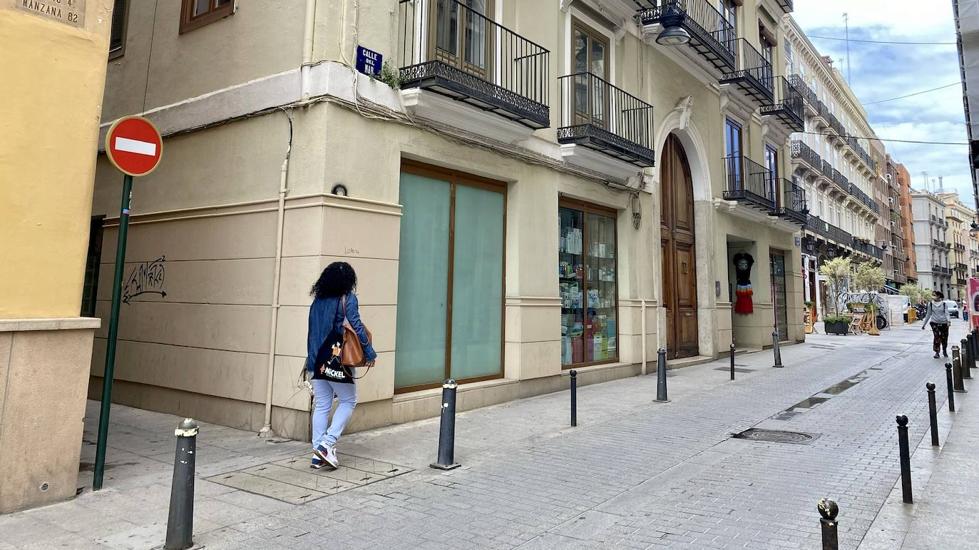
[{"x": 323, "y": 393}]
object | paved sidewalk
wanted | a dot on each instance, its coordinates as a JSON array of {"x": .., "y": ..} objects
[{"x": 633, "y": 474}]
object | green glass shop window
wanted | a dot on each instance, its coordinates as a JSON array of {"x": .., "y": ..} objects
[{"x": 450, "y": 279}]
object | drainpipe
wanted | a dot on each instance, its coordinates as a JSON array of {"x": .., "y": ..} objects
[
  {"x": 642, "y": 324},
  {"x": 276, "y": 277},
  {"x": 308, "y": 30}
]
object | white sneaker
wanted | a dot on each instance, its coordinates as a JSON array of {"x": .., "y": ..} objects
[{"x": 328, "y": 453}]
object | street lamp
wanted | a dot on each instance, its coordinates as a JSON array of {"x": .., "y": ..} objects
[
  {"x": 673, "y": 33},
  {"x": 673, "y": 36}
]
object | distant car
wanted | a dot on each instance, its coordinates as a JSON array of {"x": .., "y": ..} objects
[{"x": 953, "y": 308}]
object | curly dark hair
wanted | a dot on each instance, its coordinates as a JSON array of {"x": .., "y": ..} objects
[
  {"x": 336, "y": 280},
  {"x": 939, "y": 294}
]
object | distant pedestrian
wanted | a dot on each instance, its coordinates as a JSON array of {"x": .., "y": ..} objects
[
  {"x": 334, "y": 304},
  {"x": 965, "y": 311},
  {"x": 937, "y": 313}
]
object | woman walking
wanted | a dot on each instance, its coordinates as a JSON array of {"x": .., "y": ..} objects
[
  {"x": 937, "y": 313},
  {"x": 334, "y": 303}
]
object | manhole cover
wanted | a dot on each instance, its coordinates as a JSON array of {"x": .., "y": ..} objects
[{"x": 776, "y": 436}]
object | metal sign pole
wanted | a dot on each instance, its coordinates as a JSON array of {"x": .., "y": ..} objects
[{"x": 110, "y": 346}]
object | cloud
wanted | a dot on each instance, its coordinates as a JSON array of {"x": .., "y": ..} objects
[{"x": 883, "y": 71}]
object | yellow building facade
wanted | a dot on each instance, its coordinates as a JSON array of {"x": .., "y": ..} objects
[{"x": 54, "y": 69}]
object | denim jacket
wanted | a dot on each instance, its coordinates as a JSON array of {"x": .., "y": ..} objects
[{"x": 324, "y": 315}]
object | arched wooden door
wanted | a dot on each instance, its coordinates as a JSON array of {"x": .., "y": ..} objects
[{"x": 679, "y": 251}]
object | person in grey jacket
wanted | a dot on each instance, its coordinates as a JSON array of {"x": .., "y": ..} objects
[{"x": 937, "y": 313}]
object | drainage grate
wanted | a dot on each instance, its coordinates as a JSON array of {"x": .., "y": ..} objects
[{"x": 775, "y": 436}]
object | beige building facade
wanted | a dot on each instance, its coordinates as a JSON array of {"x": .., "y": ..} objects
[
  {"x": 836, "y": 163},
  {"x": 511, "y": 204},
  {"x": 961, "y": 243}
]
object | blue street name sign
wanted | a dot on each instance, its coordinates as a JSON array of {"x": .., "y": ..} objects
[{"x": 368, "y": 61}]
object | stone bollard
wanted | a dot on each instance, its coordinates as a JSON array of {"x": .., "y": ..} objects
[
  {"x": 447, "y": 428},
  {"x": 180, "y": 522},
  {"x": 775, "y": 349},
  {"x": 828, "y": 524},
  {"x": 959, "y": 385}
]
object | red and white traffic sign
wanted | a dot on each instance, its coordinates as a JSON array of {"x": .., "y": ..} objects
[{"x": 134, "y": 145}]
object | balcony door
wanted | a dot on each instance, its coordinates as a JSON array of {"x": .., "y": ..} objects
[
  {"x": 463, "y": 35},
  {"x": 771, "y": 175},
  {"x": 679, "y": 253},
  {"x": 590, "y": 55},
  {"x": 732, "y": 153}
]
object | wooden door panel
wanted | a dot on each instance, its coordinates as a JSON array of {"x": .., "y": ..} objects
[
  {"x": 678, "y": 251},
  {"x": 686, "y": 290}
]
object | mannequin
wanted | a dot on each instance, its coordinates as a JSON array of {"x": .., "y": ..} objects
[{"x": 742, "y": 272}]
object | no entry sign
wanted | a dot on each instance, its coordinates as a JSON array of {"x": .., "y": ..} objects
[{"x": 134, "y": 145}]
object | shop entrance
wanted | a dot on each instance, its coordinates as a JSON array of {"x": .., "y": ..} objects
[{"x": 679, "y": 255}]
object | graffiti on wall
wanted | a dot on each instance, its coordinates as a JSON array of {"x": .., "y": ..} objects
[{"x": 145, "y": 278}]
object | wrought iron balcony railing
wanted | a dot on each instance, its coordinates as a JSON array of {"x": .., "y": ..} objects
[
  {"x": 864, "y": 247},
  {"x": 807, "y": 94},
  {"x": 451, "y": 49},
  {"x": 835, "y": 123},
  {"x": 829, "y": 231},
  {"x": 600, "y": 116},
  {"x": 749, "y": 182},
  {"x": 752, "y": 73},
  {"x": 792, "y": 203},
  {"x": 786, "y": 5},
  {"x": 827, "y": 169},
  {"x": 711, "y": 35},
  {"x": 787, "y": 106},
  {"x": 805, "y": 153},
  {"x": 941, "y": 270}
]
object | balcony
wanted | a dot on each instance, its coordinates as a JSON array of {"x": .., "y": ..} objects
[
  {"x": 788, "y": 105},
  {"x": 834, "y": 123},
  {"x": 752, "y": 73},
  {"x": 940, "y": 244},
  {"x": 711, "y": 36},
  {"x": 750, "y": 183},
  {"x": 605, "y": 120},
  {"x": 458, "y": 53},
  {"x": 939, "y": 270},
  {"x": 960, "y": 247},
  {"x": 792, "y": 203},
  {"x": 807, "y": 157},
  {"x": 786, "y": 5},
  {"x": 961, "y": 267},
  {"x": 864, "y": 247},
  {"x": 829, "y": 231}
]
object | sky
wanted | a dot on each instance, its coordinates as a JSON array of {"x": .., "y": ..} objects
[{"x": 883, "y": 71}]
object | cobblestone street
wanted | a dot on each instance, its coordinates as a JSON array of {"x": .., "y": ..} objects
[{"x": 633, "y": 474}]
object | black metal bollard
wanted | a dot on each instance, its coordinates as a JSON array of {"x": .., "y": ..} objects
[
  {"x": 574, "y": 397},
  {"x": 732, "y": 361},
  {"x": 958, "y": 384},
  {"x": 904, "y": 449},
  {"x": 661, "y": 375},
  {"x": 778, "y": 353},
  {"x": 447, "y": 428},
  {"x": 975, "y": 352},
  {"x": 966, "y": 355},
  {"x": 932, "y": 413},
  {"x": 180, "y": 522},
  {"x": 951, "y": 387},
  {"x": 829, "y": 510}
]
